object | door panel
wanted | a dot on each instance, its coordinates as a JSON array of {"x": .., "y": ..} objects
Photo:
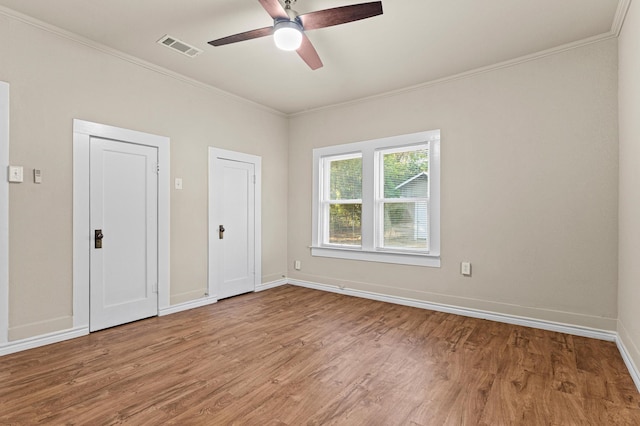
[
  {"x": 124, "y": 206},
  {"x": 234, "y": 198},
  {"x": 235, "y": 205}
]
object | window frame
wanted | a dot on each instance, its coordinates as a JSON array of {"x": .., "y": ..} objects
[
  {"x": 326, "y": 202},
  {"x": 381, "y": 200},
  {"x": 368, "y": 250}
]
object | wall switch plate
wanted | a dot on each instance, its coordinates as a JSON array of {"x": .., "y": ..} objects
[
  {"x": 465, "y": 269},
  {"x": 178, "y": 183},
  {"x": 16, "y": 174},
  {"x": 37, "y": 176}
]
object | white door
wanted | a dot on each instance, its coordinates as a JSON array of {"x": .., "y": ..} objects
[
  {"x": 124, "y": 231},
  {"x": 232, "y": 224}
]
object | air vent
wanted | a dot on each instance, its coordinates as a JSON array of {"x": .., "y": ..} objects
[{"x": 179, "y": 46}]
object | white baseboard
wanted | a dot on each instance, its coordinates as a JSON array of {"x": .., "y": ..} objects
[
  {"x": 37, "y": 341},
  {"x": 197, "y": 303},
  {"x": 41, "y": 328},
  {"x": 628, "y": 361},
  {"x": 628, "y": 356},
  {"x": 271, "y": 284},
  {"x": 59, "y": 336},
  {"x": 610, "y": 336},
  {"x": 45, "y": 339},
  {"x": 188, "y": 296}
]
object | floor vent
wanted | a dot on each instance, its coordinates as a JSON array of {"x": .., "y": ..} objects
[{"x": 179, "y": 46}]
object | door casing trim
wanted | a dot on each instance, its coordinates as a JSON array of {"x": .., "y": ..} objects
[
  {"x": 213, "y": 230},
  {"x": 4, "y": 214},
  {"x": 82, "y": 133}
]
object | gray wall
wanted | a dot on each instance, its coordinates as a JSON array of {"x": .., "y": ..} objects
[
  {"x": 529, "y": 178},
  {"x": 529, "y": 188},
  {"x": 54, "y": 80},
  {"x": 629, "y": 93}
]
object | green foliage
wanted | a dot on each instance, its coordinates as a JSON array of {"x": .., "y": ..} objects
[
  {"x": 345, "y": 183},
  {"x": 346, "y": 179},
  {"x": 402, "y": 166},
  {"x": 345, "y": 220}
]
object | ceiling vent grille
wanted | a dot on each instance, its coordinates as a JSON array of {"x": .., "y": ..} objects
[{"x": 179, "y": 46}]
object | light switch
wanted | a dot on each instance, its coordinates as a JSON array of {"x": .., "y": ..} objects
[
  {"x": 178, "y": 183},
  {"x": 37, "y": 176},
  {"x": 16, "y": 174},
  {"x": 465, "y": 269}
]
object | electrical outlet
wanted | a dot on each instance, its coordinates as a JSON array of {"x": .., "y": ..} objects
[
  {"x": 16, "y": 174},
  {"x": 465, "y": 269},
  {"x": 297, "y": 265}
]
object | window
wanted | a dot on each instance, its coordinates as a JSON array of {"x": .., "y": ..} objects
[
  {"x": 379, "y": 200},
  {"x": 342, "y": 200},
  {"x": 403, "y": 197}
]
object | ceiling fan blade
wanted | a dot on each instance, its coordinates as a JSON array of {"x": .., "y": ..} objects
[
  {"x": 274, "y": 9},
  {"x": 248, "y": 35},
  {"x": 339, "y": 15},
  {"x": 308, "y": 53}
]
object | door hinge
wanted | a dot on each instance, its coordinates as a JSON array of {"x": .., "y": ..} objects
[{"x": 158, "y": 168}]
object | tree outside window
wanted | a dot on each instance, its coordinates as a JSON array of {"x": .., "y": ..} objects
[{"x": 379, "y": 200}]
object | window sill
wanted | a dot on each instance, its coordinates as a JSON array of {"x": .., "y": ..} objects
[{"x": 415, "y": 259}]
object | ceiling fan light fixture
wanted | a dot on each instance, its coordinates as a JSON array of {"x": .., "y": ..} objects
[
  {"x": 289, "y": 26},
  {"x": 287, "y": 35}
]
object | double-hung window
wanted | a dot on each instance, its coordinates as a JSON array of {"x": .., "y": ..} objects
[
  {"x": 379, "y": 200},
  {"x": 342, "y": 200}
]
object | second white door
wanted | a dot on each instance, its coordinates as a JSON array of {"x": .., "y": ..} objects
[
  {"x": 124, "y": 232},
  {"x": 232, "y": 226}
]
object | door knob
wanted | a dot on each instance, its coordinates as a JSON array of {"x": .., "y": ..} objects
[
  {"x": 221, "y": 231},
  {"x": 98, "y": 236}
]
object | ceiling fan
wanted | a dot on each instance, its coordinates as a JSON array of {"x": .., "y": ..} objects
[{"x": 289, "y": 27}]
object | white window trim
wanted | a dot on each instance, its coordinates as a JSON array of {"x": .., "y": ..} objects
[
  {"x": 368, "y": 251},
  {"x": 325, "y": 201}
]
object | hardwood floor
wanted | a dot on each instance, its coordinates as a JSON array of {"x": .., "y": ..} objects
[{"x": 293, "y": 356}]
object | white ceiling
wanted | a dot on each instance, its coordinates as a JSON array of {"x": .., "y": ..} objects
[{"x": 413, "y": 42}]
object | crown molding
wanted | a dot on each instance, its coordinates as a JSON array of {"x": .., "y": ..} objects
[
  {"x": 621, "y": 14},
  {"x": 614, "y": 32},
  {"x": 12, "y": 14},
  {"x": 467, "y": 74},
  {"x": 616, "y": 27}
]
